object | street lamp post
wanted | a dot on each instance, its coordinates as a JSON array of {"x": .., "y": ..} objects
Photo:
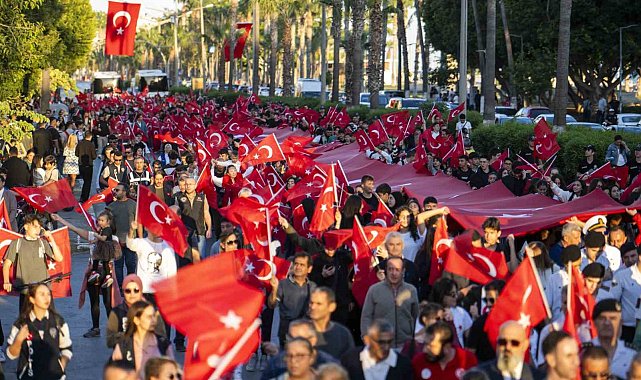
[
  {"x": 519, "y": 37},
  {"x": 462, "y": 81},
  {"x": 621, "y": 63}
]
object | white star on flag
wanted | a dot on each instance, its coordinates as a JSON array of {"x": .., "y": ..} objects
[
  {"x": 309, "y": 184},
  {"x": 48, "y": 199},
  {"x": 275, "y": 230},
  {"x": 256, "y": 156},
  {"x": 168, "y": 220},
  {"x": 231, "y": 320},
  {"x": 440, "y": 260},
  {"x": 307, "y": 172},
  {"x": 524, "y": 320},
  {"x": 249, "y": 267},
  {"x": 310, "y": 235},
  {"x": 323, "y": 207},
  {"x": 356, "y": 270},
  {"x": 120, "y": 31},
  {"x": 51, "y": 265}
]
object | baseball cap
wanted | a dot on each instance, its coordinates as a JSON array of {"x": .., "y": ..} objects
[
  {"x": 603, "y": 306},
  {"x": 594, "y": 223},
  {"x": 590, "y": 147}
]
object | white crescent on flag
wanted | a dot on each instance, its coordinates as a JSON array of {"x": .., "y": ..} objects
[
  {"x": 270, "y": 152},
  {"x": 152, "y": 209},
  {"x": 491, "y": 268},
  {"x": 120, "y": 14}
]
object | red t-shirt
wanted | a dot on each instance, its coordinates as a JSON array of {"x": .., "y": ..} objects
[{"x": 454, "y": 370}]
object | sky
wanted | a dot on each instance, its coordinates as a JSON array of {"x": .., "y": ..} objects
[{"x": 150, "y": 10}]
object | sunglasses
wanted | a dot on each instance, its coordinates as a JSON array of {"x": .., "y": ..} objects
[
  {"x": 230, "y": 242},
  {"x": 489, "y": 300},
  {"x": 176, "y": 376},
  {"x": 134, "y": 291},
  {"x": 117, "y": 160},
  {"x": 504, "y": 342}
]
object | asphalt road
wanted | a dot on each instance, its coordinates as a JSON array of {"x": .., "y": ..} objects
[{"x": 89, "y": 354}]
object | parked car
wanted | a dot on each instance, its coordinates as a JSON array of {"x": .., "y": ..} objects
[
  {"x": 533, "y": 111},
  {"x": 549, "y": 117},
  {"x": 593, "y": 126},
  {"x": 503, "y": 119},
  {"x": 364, "y": 99},
  {"x": 504, "y": 110},
  {"x": 406, "y": 103},
  {"x": 629, "y": 122},
  {"x": 263, "y": 91}
]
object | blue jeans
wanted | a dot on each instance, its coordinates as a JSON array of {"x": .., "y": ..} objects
[
  {"x": 202, "y": 242},
  {"x": 130, "y": 259}
]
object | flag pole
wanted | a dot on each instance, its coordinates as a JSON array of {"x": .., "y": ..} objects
[{"x": 231, "y": 354}]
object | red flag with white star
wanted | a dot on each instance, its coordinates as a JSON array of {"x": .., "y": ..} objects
[
  {"x": 61, "y": 288},
  {"x": 521, "y": 300},
  {"x": 49, "y": 198},
  {"x": 324, "y": 213},
  {"x": 440, "y": 247},
  {"x": 364, "y": 271},
  {"x": 120, "y": 35},
  {"x": 157, "y": 217},
  {"x": 227, "y": 332},
  {"x": 267, "y": 150}
]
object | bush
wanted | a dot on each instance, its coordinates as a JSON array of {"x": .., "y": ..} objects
[
  {"x": 179, "y": 90},
  {"x": 572, "y": 143}
]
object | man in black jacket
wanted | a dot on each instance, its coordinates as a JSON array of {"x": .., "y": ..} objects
[
  {"x": 42, "y": 140},
  {"x": 86, "y": 153},
  {"x": 18, "y": 173},
  {"x": 377, "y": 356}
]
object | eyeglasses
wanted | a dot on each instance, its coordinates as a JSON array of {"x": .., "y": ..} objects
[
  {"x": 134, "y": 291},
  {"x": 230, "y": 242},
  {"x": 504, "y": 342},
  {"x": 489, "y": 300},
  {"x": 292, "y": 357}
]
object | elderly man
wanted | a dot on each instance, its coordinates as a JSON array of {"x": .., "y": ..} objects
[
  {"x": 511, "y": 346},
  {"x": 394, "y": 247},
  {"x": 194, "y": 212},
  {"x": 561, "y": 356},
  {"x": 377, "y": 360},
  {"x": 570, "y": 235},
  {"x": 393, "y": 300}
]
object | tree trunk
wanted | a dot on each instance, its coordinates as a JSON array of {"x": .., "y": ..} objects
[
  {"x": 288, "y": 59},
  {"x": 510, "y": 55},
  {"x": 309, "y": 23},
  {"x": 383, "y": 43},
  {"x": 562, "y": 64},
  {"x": 402, "y": 39},
  {"x": 221, "y": 66},
  {"x": 45, "y": 91},
  {"x": 374, "y": 63},
  {"x": 418, "y": 5},
  {"x": 358, "y": 25},
  {"x": 490, "y": 57},
  {"x": 349, "y": 54},
  {"x": 479, "y": 38},
  {"x": 232, "y": 42},
  {"x": 273, "y": 54},
  {"x": 255, "y": 48},
  {"x": 337, "y": 18}
]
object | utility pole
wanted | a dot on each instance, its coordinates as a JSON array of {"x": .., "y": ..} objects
[
  {"x": 462, "y": 80},
  {"x": 256, "y": 46},
  {"x": 323, "y": 76},
  {"x": 176, "y": 53},
  {"x": 203, "y": 50}
]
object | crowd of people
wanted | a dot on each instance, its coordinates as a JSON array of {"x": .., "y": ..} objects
[{"x": 406, "y": 327}]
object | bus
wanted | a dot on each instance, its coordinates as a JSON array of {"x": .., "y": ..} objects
[
  {"x": 105, "y": 83},
  {"x": 154, "y": 80}
]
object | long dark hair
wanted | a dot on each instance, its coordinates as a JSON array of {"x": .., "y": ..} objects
[
  {"x": 27, "y": 308},
  {"x": 135, "y": 311},
  {"x": 413, "y": 228},
  {"x": 442, "y": 287},
  {"x": 542, "y": 261},
  {"x": 351, "y": 210}
]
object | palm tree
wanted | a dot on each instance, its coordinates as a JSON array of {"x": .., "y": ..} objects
[
  {"x": 402, "y": 41},
  {"x": 562, "y": 64},
  {"x": 273, "y": 53},
  {"x": 232, "y": 41},
  {"x": 288, "y": 58},
  {"x": 425, "y": 56},
  {"x": 356, "y": 47},
  {"x": 374, "y": 64},
  {"x": 337, "y": 18},
  {"x": 383, "y": 42},
  {"x": 490, "y": 58}
]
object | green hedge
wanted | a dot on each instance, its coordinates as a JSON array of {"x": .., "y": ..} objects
[{"x": 572, "y": 142}]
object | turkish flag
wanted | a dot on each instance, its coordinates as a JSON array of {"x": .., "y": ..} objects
[
  {"x": 274, "y": 180},
  {"x": 239, "y": 46},
  {"x": 308, "y": 187},
  {"x": 382, "y": 216},
  {"x": 396, "y": 119},
  {"x": 251, "y": 216},
  {"x": 335, "y": 239},
  {"x": 310, "y": 115},
  {"x": 433, "y": 113},
  {"x": 498, "y": 163},
  {"x": 120, "y": 35},
  {"x": 205, "y": 184},
  {"x": 363, "y": 140},
  {"x": 267, "y": 150},
  {"x": 297, "y": 142},
  {"x": 407, "y": 131},
  {"x": 216, "y": 139},
  {"x": 476, "y": 263},
  {"x": 521, "y": 300},
  {"x": 246, "y": 145},
  {"x": 455, "y": 112},
  {"x": 167, "y": 137},
  {"x": 545, "y": 144},
  {"x": 204, "y": 155},
  {"x": 375, "y": 235},
  {"x": 606, "y": 171},
  {"x": 255, "y": 179},
  {"x": 61, "y": 288},
  {"x": 377, "y": 133},
  {"x": 5, "y": 220},
  {"x": 580, "y": 306},
  {"x": 104, "y": 196},
  {"x": 300, "y": 222},
  {"x": 258, "y": 267},
  {"x": 91, "y": 221},
  {"x": 49, "y": 198},
  {"x": 228, "y": 331},
  {"x": 158, "y": 218},
  {"x": 341, "y": 119},
  {"x": 6, "y": 237},
  {"x": 238, "y": 125},
  {"x": 324, "y": 213},
  {"x": 441, "y": 246},
  {"x": 456, "y": 151},
  {"x": 417, "y": 121},
  {"x": 420, "y": 159},
  {"x": 364, "y": 271}
]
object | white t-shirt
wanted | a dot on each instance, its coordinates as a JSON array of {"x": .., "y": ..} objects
[
  {"x": 156, "y": 261},
  {"x": 462, "y": 321},
  {"x": 411, "y": 246}
]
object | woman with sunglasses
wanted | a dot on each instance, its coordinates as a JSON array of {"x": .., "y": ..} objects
[
  {"x": 230, "y": 242},
  {"x": 117, "y": 323},
  {"x": 162, "y": 369},
  {"x": 299, "y": 357},
  {"x": 140, "y": 343}
]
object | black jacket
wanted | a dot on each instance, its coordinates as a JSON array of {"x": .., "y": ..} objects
[
  {"x": 86, "y": 152},
  {"x": 493, "y": 373},
  {"x": 351, "y": 361},
  {"x": 18, "y": 173},
  {"x": 42, "y": 142}
]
